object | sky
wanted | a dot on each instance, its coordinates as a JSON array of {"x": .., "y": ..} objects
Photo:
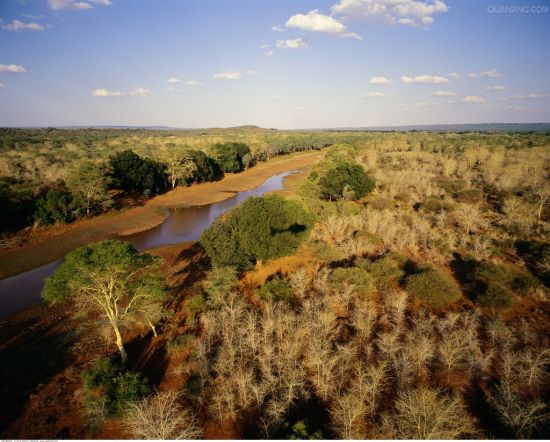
[{"x": 286, "y": 64}]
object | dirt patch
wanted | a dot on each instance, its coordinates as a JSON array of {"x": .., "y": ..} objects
[{"x": 47, "y": 244}]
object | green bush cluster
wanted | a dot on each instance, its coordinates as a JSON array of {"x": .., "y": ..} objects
[
  {"x": 355, "y": 276},
  {"x": 276, "y": 289},
  {"x": 111, "y": 388},
  {"x": 386, "y": 271},
  {"x": 259, "y": 229},
  {"x": 432, "y": 287},
  {"x": 347, "y": 180}
]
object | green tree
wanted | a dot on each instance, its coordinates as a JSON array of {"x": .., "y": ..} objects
[
  {"x": 108, "y": 279},
  {"x": 55, "y": 207},
  {"x": 346, "y": 180},
  {"x": 88, "y": 184},
  {"x": 180, "y": 167},
  {"x": 207, "y": 168},
  {"x": 134, "y": 173},
  {"x": 230, "y": 156},
  {"x": 259, "y": 229}
]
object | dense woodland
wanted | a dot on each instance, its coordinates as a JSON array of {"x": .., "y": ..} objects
[{"x": 404, "y": 288}]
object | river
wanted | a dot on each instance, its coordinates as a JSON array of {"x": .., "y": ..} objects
[{"x": 185, "y": 224}]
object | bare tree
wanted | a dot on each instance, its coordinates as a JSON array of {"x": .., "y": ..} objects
[
  {"x": 161, "y": 417},
  {"x": 424, "y": 413}
]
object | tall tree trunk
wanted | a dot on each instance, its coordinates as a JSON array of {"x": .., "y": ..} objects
[{"x": 119, "y": 344}]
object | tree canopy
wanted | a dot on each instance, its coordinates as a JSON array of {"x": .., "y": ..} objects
[
  {"x": 110, "y": 278},
  {"x": 347, "y": 180},
  {"x": 230, "y": 156},
  {"x": 259, "y": 229},
  {"x": 134, "y": 173}
]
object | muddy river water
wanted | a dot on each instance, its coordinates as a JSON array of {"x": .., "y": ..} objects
[{"x": 183, "y": 224}]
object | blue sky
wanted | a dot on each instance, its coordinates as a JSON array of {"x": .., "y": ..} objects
[{"x": 275, "y": 63}]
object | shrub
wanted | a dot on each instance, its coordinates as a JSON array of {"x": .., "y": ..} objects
[
  {"x": 110, "y": 387},
  {"x": 495, "y": 296},
  {"x": 470, "y": 196},
  {"x": 218, "y": 283},
  {"x": 55, "y": 207},
  {"x": 259, "y": 229},
  {"x": 347, "y": 179},
  {"x": 276, "y": 289},
  {"x": 181, "y": 341},
  {"x": 358, "y": 277},
  {"x": 433, "y": 287},
  {"x": 386, "y": 271},
  {"x": 207, "y": 168}
]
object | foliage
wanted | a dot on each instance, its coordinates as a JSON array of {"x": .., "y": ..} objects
[
  {"x": 111, "y": 279},
  {"x": 259, "y": 229},
  {"x": 230, "y": 156},
  {"x": 88, "y": 184},
  {"x": 55, "y": 207},
  {"x": 218, "y": 283},
  {"x": 276, "y": 289},
  {"x": 352, "y": 276},
  {"x": 346, "y": 179},
  {"x": 109, "y": 384},
  {"x": 386, "y": 270},
  {"x": 433, "y": 287},
  {"x": 207, "y": 168},
  {"x": 134, "y": 173}
]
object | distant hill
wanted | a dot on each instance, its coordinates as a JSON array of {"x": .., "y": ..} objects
[{"x": 483, "y": 127}]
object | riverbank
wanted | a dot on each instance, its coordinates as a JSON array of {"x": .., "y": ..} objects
[{"x": 53, "y": 242}]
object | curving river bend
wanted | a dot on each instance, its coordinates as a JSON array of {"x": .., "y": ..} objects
[{"x": 186, "y": 224}]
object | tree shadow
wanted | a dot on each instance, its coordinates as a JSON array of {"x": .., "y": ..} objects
[{"x": 27, "y": 363}]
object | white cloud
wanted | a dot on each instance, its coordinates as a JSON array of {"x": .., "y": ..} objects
[
  {"x": 228, "y": 75},
  {"x": 251, "y": 73},
  {"x": 379, "y": 81},
  {"x": 276, "y": 28},
  {"x": 418, "y": 13},
  {"x": 13, "y": 69},
  {"x": 442, "y": 93},
  {"x": 296, "y": 43},
  {"x": 493, "y": 73},
  {"x": 473, "y": 99},
  {"x": 270, "y": 53},
  {"x": 74, "y": 5},
  {"x": 423, "y": 103},
  {"x": 106, "y": 93},
  {"x": 424, "y": 79},
  {"x": 274, "y": 97},
  {"x": 373, "y": 95},
  {"x": 193, "y": 83},
  {"x": 264, "y": 46},
  {"x": 454, "y": 75},
  {"x": 18, "y": 25},
  {"x": 315, "y": 22},
  {"x": 2, "y": 85},
  {"x": 513, "y": 107},
  {"x": 140, "y": 92},
  {"x": 173, "y": 80},
  {"x": 497, "y": 88},
  {"x": 531, "y": 96}
]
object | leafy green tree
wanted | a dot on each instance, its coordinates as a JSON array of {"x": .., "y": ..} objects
[
  {"x": 108, "y": 280},
  {"x": 346, "y": 180},
  {"x": 55, "y": 207},
  {"x": 259, "y": 229},
  {"x": 207, "y": 168},
  {"x": 134, "y": 173},
  {"x": 230, "y": 156},
  {"x": 180, "y": 167},
  {"x": 88, "y": 184}
]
